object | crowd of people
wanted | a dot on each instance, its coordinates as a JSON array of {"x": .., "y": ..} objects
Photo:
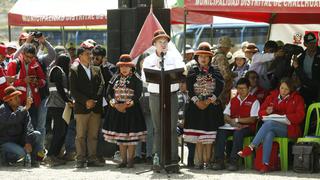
[{"x": 114, "y": 103}]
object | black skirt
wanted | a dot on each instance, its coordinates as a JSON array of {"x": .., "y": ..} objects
[
  {"x": 127, "y": 128},
  {"x": 201, "y": 125}
]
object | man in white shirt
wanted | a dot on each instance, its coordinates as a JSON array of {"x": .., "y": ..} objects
[
  {"x": 260, "y": 63},
  {"x": 172, "y": 60},
  {"x": 241, "y": 113}
]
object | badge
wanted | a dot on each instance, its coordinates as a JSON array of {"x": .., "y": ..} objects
[{"x": 297, "y": 37}]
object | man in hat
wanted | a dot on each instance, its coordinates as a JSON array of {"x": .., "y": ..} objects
[
  {"x": 72, "y": 51},
  {"x": 22, "y": 38},
  {"x": 307, "y": 68},
  {"x": 250, "y": 50},
  {"x": 86, "y": 85},
  {"x": 17, "y": 136},
  {"x": 221, "y": 60},
  {"x": 171, "y": 61},
  {"x": 189, "y": 54},
  {"x": 11, "y": 49}
]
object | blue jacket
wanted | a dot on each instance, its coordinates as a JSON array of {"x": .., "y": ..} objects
[{"x": 15, "y": 126}]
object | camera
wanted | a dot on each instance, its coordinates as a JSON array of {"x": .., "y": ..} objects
[
  {"x": 292, "y": 49},
  {"x": 36, "y": 34}
]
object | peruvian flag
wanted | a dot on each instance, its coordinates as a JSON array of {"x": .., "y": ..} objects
[{"x": 144, "y": 39}]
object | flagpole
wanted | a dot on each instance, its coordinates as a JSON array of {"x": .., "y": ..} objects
[{"x": 184, "y": 32}]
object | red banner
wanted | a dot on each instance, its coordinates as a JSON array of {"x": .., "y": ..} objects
[{"x": 270, "y": 11}]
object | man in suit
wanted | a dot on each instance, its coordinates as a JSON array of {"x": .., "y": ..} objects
[{"x": 86, "y": 87}]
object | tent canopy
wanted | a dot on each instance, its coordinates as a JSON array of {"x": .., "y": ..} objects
[
  {"x": 269, "y": 11},
  {"x": 60, "y": 12},
  {"x": 177, "y": 17}
]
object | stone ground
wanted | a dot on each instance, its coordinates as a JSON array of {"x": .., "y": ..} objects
[{"x": 111, "y": 172}]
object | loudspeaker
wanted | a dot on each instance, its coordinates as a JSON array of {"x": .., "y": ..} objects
[{"x": 124, "y": 26}]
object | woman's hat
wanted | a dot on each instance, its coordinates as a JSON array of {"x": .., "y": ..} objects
[
  {"x": 10, "y": 92},
  {"x": 251, "y": 47},
  {"x": 239, "y": 54},
  {"x": 204, "y": 48},
  {"x": 125, "y": 60},
  {"x": 160, "y": 34}
]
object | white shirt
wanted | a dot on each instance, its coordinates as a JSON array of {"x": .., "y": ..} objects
[
  {"x": 172, "y": 61},
  {"x": 259, "y": 61},
  {"x": 254, "y": 108},
  {"x": 87, "y": 69},
  {"x": 260, "y": 65}
]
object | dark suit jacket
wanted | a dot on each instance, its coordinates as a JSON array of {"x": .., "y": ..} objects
[
  {"x": 83, "y": 89},
  {"x": 311, "y": 85}
]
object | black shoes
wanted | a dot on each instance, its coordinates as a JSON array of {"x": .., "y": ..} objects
[
  {"x": 218, "y": 165},
  {"x": 79, "y": 164},
  {"x": 233, "y": 165},
  {"x": 95, "y": 163}
]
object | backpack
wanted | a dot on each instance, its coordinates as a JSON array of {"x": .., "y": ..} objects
[
  {"x": 306, "y": 157},
  {"x": 274, "y": 162}
]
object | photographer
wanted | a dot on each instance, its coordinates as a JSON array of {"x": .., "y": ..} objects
[
  {"x": 307, "y": 68},
  {"x": 37, "y": 38}
]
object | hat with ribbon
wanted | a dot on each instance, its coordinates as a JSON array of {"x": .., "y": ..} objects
[
  {"x": 125, "y": 60},
  {"x": 160, "y": 34}
]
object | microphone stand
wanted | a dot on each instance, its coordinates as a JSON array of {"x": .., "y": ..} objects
[{"x": 164, "y": 165}]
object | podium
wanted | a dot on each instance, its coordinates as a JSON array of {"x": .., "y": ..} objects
[{"x": 165, "y": 79}]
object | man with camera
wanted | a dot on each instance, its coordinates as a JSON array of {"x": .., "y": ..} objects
[{"x": 37, "y": 39}]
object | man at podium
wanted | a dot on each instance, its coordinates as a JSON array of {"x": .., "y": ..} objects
[{"x": 172, "y": 60}]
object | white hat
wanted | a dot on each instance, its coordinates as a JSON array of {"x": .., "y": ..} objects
[
  {"x": 239, "y": 54},
  {"x": 12, "y": 45}
]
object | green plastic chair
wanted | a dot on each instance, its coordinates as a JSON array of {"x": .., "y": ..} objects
[
  {"x": 246, "y": 142},
  {"x": 311, "y": 108},
  {"x": 283, "y": 142},
  {"x": 305, "y": 138}
]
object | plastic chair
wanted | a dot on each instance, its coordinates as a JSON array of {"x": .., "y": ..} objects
[
  {"x": 283, "y": 142},
  {"x": 306, "y": 138},
  {"x": 311, "y": 108},
  {"x": 246, "y": 142}
]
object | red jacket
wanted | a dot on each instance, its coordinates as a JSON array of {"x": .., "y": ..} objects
[
  {"x": 33, "y": 70},
  {"x": 3, "y": 82},
  {"x": 292, "y": 107},
  {"x": 260, "y": 93}
]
